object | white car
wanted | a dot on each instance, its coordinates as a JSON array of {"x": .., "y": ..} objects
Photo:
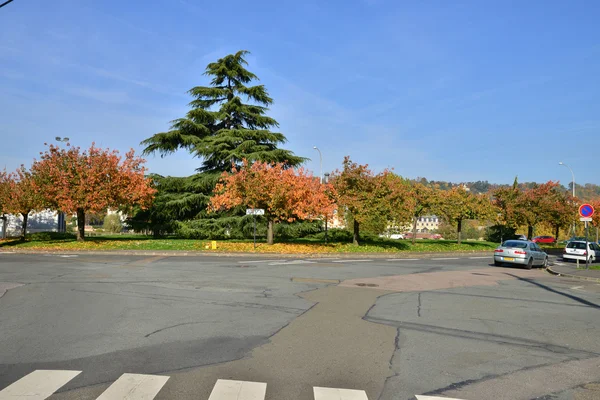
[{"x": 576, "y": 250}]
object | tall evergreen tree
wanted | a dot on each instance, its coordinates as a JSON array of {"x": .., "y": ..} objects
[
  {"x": 222, "y": 129},
  {"x": 226, "y": 124}
]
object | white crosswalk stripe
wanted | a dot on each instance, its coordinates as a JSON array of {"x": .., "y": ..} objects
[
  {"x": 38, "y": 385},
  {"x": 134, "y": 387},
  {"x": 322, "y": 393},
  {"x": 238, "y": 390},
  {"x": 41, "y": 384}
]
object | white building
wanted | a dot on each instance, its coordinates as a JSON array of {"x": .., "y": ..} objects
[
  {"x": 43, "y": 221},
  {"x": 427, "y": 223}
]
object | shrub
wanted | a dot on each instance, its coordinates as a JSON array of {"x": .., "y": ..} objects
[
  {"x": 112, "y": 223},
  {"x": 498, "y": 233}
]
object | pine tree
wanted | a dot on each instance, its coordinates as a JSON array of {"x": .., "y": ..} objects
[
  {"x": 226, "y": 124},
  {"x": 220, "y": 128}
]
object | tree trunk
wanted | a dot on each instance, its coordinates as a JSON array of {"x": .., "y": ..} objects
[
  {"x": 529, "y": 232},
  {"x": 414, "y": 235},
  {"x": 459, "y": 230},
  {"x": 270, "y": 231},
  {"x": 24, "y": 226},
  {"x": 356, "y": 236},
  {"x": 80, "y": 224},
  {"x": 556, "y": 231}
]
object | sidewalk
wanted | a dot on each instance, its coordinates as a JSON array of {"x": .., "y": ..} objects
[{"x": 570, "y": 270}]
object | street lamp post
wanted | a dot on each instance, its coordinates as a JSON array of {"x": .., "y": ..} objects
[
  {"x": 573, "y": 176},
  {"x": 320, "y": 163},
  {"x": 62, "y": 223}
]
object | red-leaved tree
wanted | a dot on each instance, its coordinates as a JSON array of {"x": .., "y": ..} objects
[
  {"x": 93, "y": 180},
  {"x": 22, "y": 197},
  {"x": 285, "y": 194}
]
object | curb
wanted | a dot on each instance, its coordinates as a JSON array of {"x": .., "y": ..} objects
[
  {"x": 176, "y": 253},
  {"x": 583, "y": 278}
]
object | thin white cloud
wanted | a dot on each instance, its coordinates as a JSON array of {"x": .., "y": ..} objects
[{"x": 104, "y": 96}]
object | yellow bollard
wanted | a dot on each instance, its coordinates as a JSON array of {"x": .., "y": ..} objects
[{"x": 213, "y": 244}]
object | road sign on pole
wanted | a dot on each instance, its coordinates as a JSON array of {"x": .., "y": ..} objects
[
  {"x": 255, "y": 211},
  {"x": 586, "y": 210},
  {"x": 585, "y": 219}
]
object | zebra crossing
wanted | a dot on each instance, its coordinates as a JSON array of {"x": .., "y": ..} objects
[{"x": 41, "y": 384}]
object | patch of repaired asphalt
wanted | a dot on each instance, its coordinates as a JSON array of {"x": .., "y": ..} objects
[{"x": 442, "y": 280}]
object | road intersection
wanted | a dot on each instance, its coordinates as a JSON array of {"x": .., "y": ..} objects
[{"x": 393, "y": 328}]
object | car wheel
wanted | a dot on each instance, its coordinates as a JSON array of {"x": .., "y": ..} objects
[
  {"x": 529, "y": 264},
  {"x": 545, "y": 264},
  {"x": 497, "y": 263}
]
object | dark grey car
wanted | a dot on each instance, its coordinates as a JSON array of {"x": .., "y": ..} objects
[{"x": 522, "y": 252}]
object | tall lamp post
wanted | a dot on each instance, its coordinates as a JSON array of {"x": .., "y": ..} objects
[
  {"x": 573, "y": 176},
  {"x": 62, "y": 223},
  {"x": 320, "y": 163}
]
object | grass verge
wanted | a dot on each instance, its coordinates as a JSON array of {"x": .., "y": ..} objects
[{"x": 62, "y": 242}]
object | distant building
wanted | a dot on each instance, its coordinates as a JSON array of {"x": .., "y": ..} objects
[
  {"x": 43, "y": 221},
  {"x": 427, "y": 223}
]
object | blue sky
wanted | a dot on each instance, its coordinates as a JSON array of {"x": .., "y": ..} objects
[{"x": 447, "y": 90}]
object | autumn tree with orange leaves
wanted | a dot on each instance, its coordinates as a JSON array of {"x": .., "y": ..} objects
[
  {"x": 93, "y": 180},
  {"x": 22, "y": 196},
  {"x": 535, "y": 205},
  {"x": 458, "y": 204},
  {"x": 285, "y": 194}
]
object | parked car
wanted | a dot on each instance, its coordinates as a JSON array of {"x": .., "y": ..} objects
[
  {"x": 544, "y": 239},
  {"x": 576, "y": 250},
  {"x": 396, "y": 236},
  {"x": 521, "y": 252}
]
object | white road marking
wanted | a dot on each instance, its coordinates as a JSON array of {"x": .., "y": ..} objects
[
  {"x": 325, "y": 259},
  {"x": 577, "y": 287},
  {"x": 322, "y": 393},
  {"x": 403, "y": 259},
  {"x": 238, "y": 390},
  {"x": 134, "y": 387},
  {"x": 421, "y": 397},
  {"x": 38, "y": 385},
  {"x": 348, "y": 261},
  {"x": 448, "y": 258},
  {"x": 68, "y": 255},
  {"x": 478, "y": 258},
  {"x": 292, "y": 262},
  {"x": 257, "y": 261}
]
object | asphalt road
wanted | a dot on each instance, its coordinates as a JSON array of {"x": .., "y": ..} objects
[{"x": 392, "y": 327}]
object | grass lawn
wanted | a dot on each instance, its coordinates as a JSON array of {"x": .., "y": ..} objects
[{"x": 61, "y": 242}]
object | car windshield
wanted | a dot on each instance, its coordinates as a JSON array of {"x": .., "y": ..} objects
[
  {"x": 576, "y": 245},
  {"x": 515, "y": 243}
]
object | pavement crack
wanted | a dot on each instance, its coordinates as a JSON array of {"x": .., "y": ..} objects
[
  {"x": 485, "y": 337},
  {"x": 419, "y": 305},
  {"x": 176, "y": 325}
]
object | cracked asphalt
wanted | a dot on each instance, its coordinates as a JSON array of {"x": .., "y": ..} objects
[{"x": 394, "y": 328}]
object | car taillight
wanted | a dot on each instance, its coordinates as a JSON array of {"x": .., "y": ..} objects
[
  {"x": 520, "y": 252},
  {"x": 498, "y": 251}
]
